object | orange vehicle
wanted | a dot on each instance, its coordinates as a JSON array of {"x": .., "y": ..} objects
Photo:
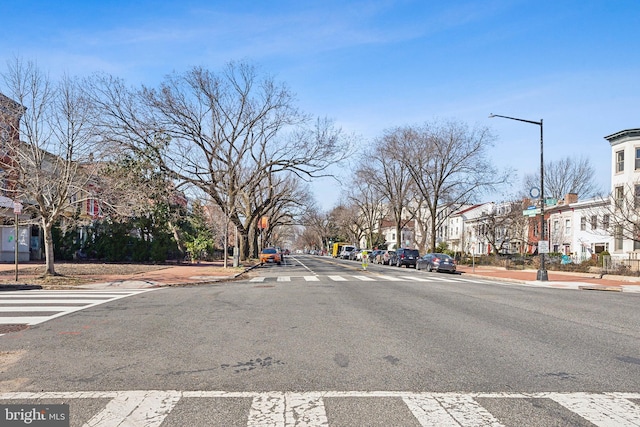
[{"x": 270, "y": 255}]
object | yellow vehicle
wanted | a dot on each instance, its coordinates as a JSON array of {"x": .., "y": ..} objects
[{"x": 337, "y": 248}]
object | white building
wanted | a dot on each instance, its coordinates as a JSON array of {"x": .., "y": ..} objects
[
  {"x": 580, "y": 229},
  {"x": 625, "y": 190}
]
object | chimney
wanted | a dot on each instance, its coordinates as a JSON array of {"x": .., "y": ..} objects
[{"x": 570, "y": 198}]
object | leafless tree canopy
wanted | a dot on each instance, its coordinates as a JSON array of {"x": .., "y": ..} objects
[
  {"x": 226, "y": 134},
  {"x": 567, "y": 175},
  {"x": 389, "y": 177}
]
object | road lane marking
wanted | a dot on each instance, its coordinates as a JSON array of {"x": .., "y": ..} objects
[
  {"x": 143, "y": 408},
  {"x": 267, "y": 409},
  {"x": 365, "y": 278},
  {"x": 392, "y": 278},
  {"x": 449, "y": 411},
  {"x": 312, "y": 278},
  {"x": 337, "y": 278},
  {"x": 58, "y": 302},
  {"x": 601, "y": 410},
  {"x": 149, "y": 408}
]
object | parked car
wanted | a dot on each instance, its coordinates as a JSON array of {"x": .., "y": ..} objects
[
  {"x": 387, "y": 257},
  {"x": 346, "y": 251},
  {"x": 359, "y": 254},
  {"x": 374, "y": 255},
  {"x": 270, "y": 255},
  {"x": 437, "y": 262},
  {"x": 353, "y": 255},
  {"x": 406, "y": 257}
]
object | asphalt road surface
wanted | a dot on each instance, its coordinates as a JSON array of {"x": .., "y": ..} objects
[{"x": 322, "y": 342}]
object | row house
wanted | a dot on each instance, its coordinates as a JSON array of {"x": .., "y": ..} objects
[{"x": 579, "y": 229}]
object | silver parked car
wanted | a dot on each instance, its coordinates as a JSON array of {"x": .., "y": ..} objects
[{"x": 437, "y": 262}]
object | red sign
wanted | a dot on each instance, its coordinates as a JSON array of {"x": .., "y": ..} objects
[{"x": 263, "y": 223}]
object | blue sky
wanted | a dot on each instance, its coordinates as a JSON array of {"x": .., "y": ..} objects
[{"x": 374, "y": 65}]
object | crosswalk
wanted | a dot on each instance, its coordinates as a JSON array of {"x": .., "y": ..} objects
[
  {"x": 153, "y": 408},
  {"x": 32, "y": 307},
  {"x": 364, "y": 278},
  {"x": 440, "y": 278}
]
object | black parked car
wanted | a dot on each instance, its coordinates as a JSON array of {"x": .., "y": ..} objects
[
  {"x": 437, "y": 262},
  {"x": 406, "y": 257}
]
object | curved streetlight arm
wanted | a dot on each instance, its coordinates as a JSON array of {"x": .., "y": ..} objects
[{"x": 515, "y": 118}]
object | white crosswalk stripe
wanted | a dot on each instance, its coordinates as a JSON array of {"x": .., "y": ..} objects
[
  {"x": 149, "y": 408},
  {"x": 365, "y": 278},
  {"x": 53, "y": 303}
]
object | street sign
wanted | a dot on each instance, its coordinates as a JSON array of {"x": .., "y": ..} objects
[
  {"x": 17, "y": 208},
  {"x": 543, "y": 247}
]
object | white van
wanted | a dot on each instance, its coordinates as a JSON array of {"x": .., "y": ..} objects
[{"x": 346, "y": 250}]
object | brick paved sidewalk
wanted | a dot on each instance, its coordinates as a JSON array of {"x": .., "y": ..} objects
[{"x": 554, "y": 276}]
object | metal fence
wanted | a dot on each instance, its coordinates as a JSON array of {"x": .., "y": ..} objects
[{"x": 629, "y": 266}]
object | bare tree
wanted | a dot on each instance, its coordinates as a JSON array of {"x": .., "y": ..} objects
[
  {"x": 448, "y": 163},
  {"x": 618, "y": 215},
  {"x": 369, "y": 203},
  {"x": 503, "y": 226},
  {"x": 390, "y": 177},
  {"x": 226, "y": 133},
  {"x": 567, "y": 175},
  {"x": 54, "y": 164}
]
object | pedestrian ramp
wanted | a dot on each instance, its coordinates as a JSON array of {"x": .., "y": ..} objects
[{"x": 156, "y": 408}]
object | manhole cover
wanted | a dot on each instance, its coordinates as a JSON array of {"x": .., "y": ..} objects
[{"x": 5, "y": 329}]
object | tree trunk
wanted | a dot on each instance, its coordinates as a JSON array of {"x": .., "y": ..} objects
[{"x": 48, "y": 248}]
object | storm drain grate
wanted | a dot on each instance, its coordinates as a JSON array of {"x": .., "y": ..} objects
[{"x": 5, "y": 329}]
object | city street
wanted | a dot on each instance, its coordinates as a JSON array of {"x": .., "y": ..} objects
[{"x": 319, "y": 341}]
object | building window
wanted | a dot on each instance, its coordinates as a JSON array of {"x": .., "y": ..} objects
[
  {"x": 605, "y": 221},
  {"x": 556, "y": 226},
  {"x": 583, "y": 224},
  {"x": 617, "y": 236},
  {"x": 636, "y": 237},
  {"x": 620, "y": 161},
  {"x": 567, "y": 226},
  {"x": 594, "y": 222},
  {"x": 619, "y": 197},
  {"x": 637, "y": 158},
  {"x": 636, "y": 198}
]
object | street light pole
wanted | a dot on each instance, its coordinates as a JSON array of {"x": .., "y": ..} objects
[{"x": 542, "y": 271}]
